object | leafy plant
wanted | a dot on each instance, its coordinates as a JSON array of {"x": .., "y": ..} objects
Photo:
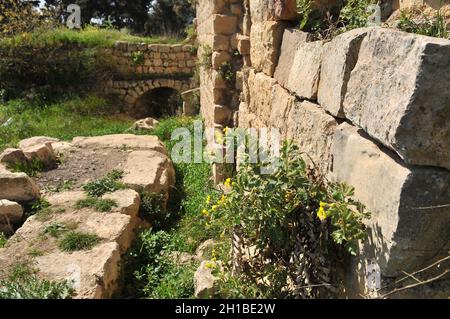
[
  {"x": 110, "y": 183},
  {"x": 153, "y": 211},
  {"x": 206, "y": 56},
  {"x": 416, "y": 22},
  {"x": 74, "y": 241},
  {"x": 23, "y": 283},
  {"x": 137, "y": 57},
  {"x": 99, "y": 204},
  {"x": 226, "y": 71}
]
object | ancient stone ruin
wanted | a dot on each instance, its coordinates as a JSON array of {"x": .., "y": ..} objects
[{"x": 370, "y": 107}]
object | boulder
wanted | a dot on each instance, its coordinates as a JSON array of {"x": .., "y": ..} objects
[
  {"x": 338, "y": 60},
  {"x": 12, "y": 157},
  {"x": 10, "y": 212},
  {"x": 205, "y": 282},
  {"x": 265, "y": 38},
  {"x": 409, "y": 204},
  {"x": 18, "y": 187},
  {"x": 146, "y": 124},
  {"x": 398, "y": 93},
  {"x": 205, "y": 249},
  {"x": 42, "y": 154},
  {"x": 36, "y": 140}
]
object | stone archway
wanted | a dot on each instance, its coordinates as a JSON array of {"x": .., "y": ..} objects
[
  {"x": 158, "y": 103},
  {"x": 132, "y": 92}
]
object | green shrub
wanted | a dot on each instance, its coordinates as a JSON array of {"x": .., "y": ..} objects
[
  {"x": 23, "y": 283},
  {"x": 74, "y": 241},
  {"x": 110, "y": 183},
  {"x": 153, "y": 211},
  {"x": 287, "y": 217},
  {"x": 417, "y": 22},
  {"x": 99, "y": 204}
]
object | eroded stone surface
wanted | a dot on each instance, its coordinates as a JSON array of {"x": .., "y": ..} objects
[
  {"x": 17, "y": 187},
  {"x": 408, "y": 204},
  {"x": 398, "y": 93}
]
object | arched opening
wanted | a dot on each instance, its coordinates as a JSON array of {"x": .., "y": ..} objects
[{"x": 159, "y": 103}]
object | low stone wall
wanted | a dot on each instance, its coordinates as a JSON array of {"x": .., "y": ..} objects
[
  {"x": 370, "y": 108},
  {"x": 144, "y": 59}
]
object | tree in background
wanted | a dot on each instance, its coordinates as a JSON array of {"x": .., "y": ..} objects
[
  {"x": 147, "y": 17},
  {"x": 19, "y": 16}
]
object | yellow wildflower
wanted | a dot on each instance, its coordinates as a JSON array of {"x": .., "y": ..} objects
[
  {"x": 226, "y": 129},
  {"x": 227, "y": 183},
  {"x": 205, "y": 213},
  {"x": 208, "y": 199},
  {"x": 210, "y": 265},
  {"x": 322, "y": 214},
  {"x": 213, "y": 208}
]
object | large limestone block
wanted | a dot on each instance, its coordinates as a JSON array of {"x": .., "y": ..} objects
[
  {"x": 398, "y": 93},
  {"x": 18, "y": 187},
  {"x": 42, "y": 153},
  {"x": 121, "y": 140},
  {"x": 292, "y": 40},
  {"x": 338, "y": 60},
  {"x": 303, "y": 78},
  {"x": 312, "y": 129},
  {"x": 10, "y": 212},
  {"x": 265, "y": 38},
  {"x": 260, "y": 92},
  {"x": 274, "y": 10},
  {"x": 205, "y": 282},
  {"x": 149, "y": 171},
  {"x": 410, "y": 215}
]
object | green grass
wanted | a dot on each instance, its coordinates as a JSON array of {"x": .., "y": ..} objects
[
  {"x": 99, "y": 204},
  {"x": 89, "y": 37},
  {"x": 64, "y": 120},
  {"x": 23, "y": 283},
  {"x": 55, "y": 229},
  {"x": 3, "y": 240},
  {"x": 74, "y": 241}
]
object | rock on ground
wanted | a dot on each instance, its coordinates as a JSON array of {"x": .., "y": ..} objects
[
  {"x": 204, "y": 281},
  {"x": 95, "y": 272},
  {"x": 18, "y": 187},
  {"x": 146, "y": 124}
]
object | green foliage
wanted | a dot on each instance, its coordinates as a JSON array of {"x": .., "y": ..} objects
[
  {"x": 155, "y": 274},
  {"x": 226, "y": 71},
  {"x": 55, "y": 229},
  {"x": 137, "y": 57},
  {"x": 31, "y": 168},
  {"x": 3, "y": 240},
  {"x": 64, "y": 120},
  {"x": 416, "y": 22},
  {"x": 153, "y": 211},
  {"x": 354, "y": 14},
  {"x": 99, "y": 204},
  {"x": 62, "y": 186},
  {"x": 109, "y": 183},
  {"x": 23, "y": 283},
  {"x": 274, "y": 213},
  {"x": 206, "y": 57},
  {"x": 74, "y": 241},
  {"x": 39, "y": 206}
]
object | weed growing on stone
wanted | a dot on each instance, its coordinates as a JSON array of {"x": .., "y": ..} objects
[
  {"x": 99, "y": 204},
  {"x": 109, "y": 183},
  {"x": 55, "y": 229},
  {"x": 74, "y": 241}
]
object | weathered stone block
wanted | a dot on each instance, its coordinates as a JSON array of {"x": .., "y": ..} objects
[
  {"x": 17, "y": 187},
  {"x": 303, "y": 78},
  {"x": 398, "y": 93},
  {"x": 410, "y": 217},
  {"x": 265, "y": 45},
  {"x": 221, "y": 42},
  {"x": 10, "y": 212},
  {"x": 338, "y": 60},
  {"x": 292, "y": 40},
  {"x": 274, "y": 10},
  {"x": 312, "y": 129},
  {"x": 219, "y": 58},
  {"x": 224, "y": 24}
]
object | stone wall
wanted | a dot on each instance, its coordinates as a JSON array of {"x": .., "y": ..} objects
[
  {"x": 145, "y": 59},
  {"x": 370, "y": 108},
  {"x": 141, "y": 68}
]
